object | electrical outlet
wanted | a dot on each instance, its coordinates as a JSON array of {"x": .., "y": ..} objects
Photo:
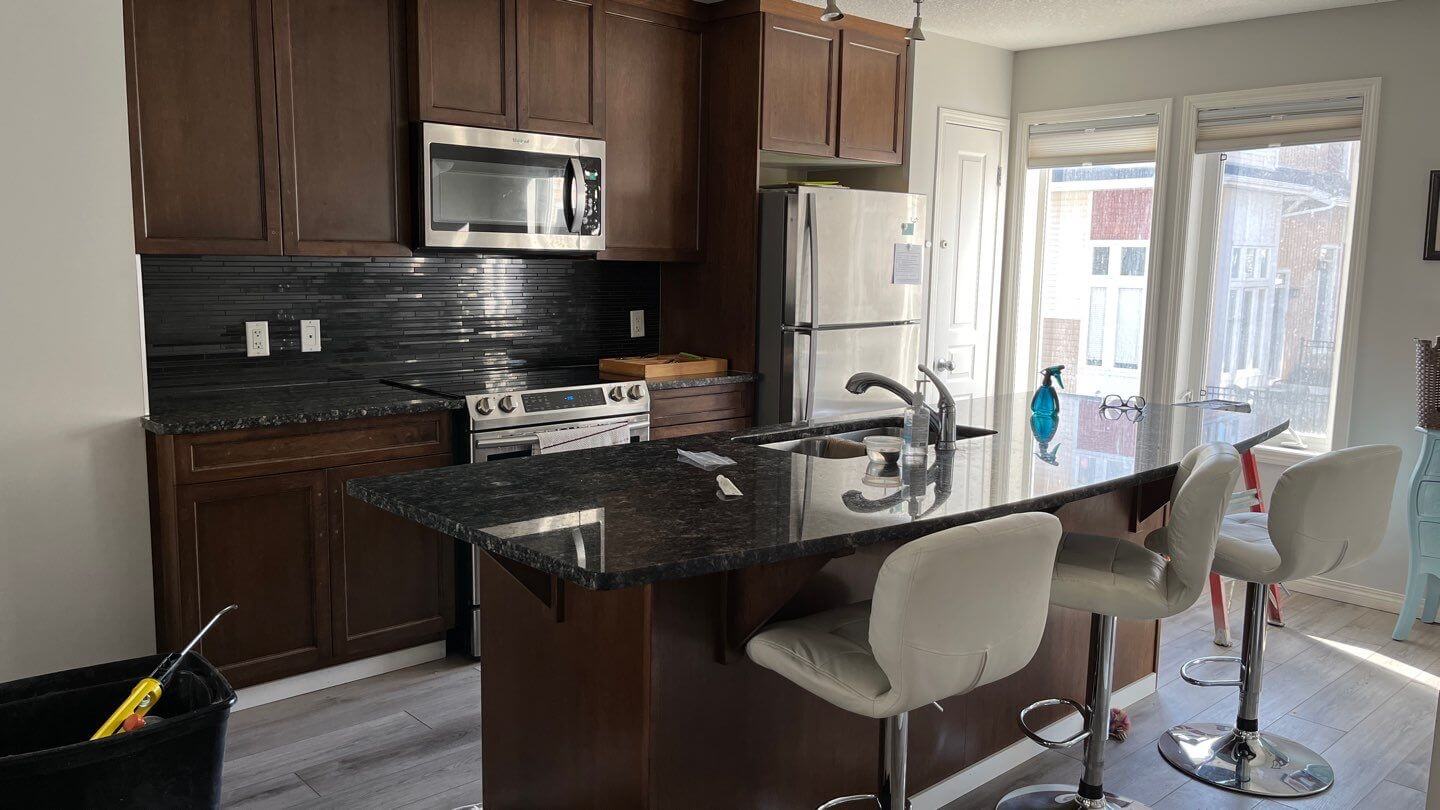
[
  {"x": 637, "y": 323},
  {"x": 257, "y": 338},
  {"x": 310, "y": 336}
]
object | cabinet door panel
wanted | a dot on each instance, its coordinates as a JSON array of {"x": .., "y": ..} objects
[
  {"x": 560, "y": 51},
  {"x": 204, "y": 162},
  {"x": 259, "y": 543},
  {"x": 873, "y": 98},
  {"x": 465, "y": 62},
  {"x": 340, "y": 74},
  {"x": 798, "y": 103},
  {"x": 393, "y": 580},
  {"x": 652, "y": 135}
]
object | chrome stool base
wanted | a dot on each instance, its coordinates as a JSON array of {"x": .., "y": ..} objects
[
  {"x": 1062, "y": 797},
  {"x": 868, "y": 798},
  {"x": 1254, "y": 763}
]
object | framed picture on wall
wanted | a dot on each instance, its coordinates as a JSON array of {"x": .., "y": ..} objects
[{"x": 1432, "y": 220}]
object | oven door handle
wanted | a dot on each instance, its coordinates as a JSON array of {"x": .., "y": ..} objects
[
  {"x": 510, "y": 441},
  {"x": 574, "y": 195}
]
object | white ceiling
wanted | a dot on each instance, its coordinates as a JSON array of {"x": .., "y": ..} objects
[{"x": 1022, "y": 24}]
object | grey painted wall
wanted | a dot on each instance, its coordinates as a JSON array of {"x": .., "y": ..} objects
[
  {"x": 1401, "y": 296},
  {"x": 74, "y": 530}
]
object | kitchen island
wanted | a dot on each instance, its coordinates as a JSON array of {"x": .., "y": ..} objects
[{"x": 619, "y": 591}]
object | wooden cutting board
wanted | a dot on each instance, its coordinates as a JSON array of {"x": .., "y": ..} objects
[{"x": 661, "y": 366}]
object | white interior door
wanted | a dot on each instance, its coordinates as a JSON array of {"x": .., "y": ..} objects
[{"x": 969, "y": 199}]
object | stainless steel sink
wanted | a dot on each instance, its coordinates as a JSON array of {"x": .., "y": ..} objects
[{"x": 821, "y": 447}]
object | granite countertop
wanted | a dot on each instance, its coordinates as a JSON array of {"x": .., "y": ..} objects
[
  {"x": 701, "y": 380},
  {"x": 178, "y": 412},
  {"x": 617, "y": 517},
  {"x": 233, "y": 409}
]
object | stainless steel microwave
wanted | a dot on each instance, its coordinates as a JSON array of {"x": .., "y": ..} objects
[{"x": 484, "y": 189}]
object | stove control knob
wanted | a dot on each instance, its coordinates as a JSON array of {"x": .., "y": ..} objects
[
  {"x": 482, "y": 406},
  {"x": 635, "y": 392},
  {"x": 507, "y": 403},
  {"x": 617, "y": 393}
]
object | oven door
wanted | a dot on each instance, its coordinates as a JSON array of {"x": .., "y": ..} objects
[
  {"x": 486, "y": 188},
  {"x": 493, "y": 446}
]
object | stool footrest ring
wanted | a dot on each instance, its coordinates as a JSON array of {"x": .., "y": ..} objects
[
  {"x": 1210, "y": 659},
  {"x": 861, "y": 797},
  {"x": 1068, "y": 741}
]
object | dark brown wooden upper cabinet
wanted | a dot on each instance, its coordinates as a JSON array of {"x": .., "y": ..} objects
[
  {"x": 392, "y": 579},
  {"x": 203, "y": 152},
  {"x": 560, "y": 54},
  {"x": 259, "y": 543},
  {"x": 873, "y": 98},
  {"x": 340, "y": 77},
  {"x": 801, "y": 68},
  {"x": 652, "y": 135},
  {"x": 465, "y": 62}
]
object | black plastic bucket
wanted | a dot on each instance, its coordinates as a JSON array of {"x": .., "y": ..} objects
[{"x": 47, "y": 758}]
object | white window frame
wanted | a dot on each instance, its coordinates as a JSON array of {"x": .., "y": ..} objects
[
  {"x": 1190, "y": 305},
  {"x": 1018, "y": 328}
]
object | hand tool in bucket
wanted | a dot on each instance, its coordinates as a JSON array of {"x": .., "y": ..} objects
[{"x": 145, "y": 694}]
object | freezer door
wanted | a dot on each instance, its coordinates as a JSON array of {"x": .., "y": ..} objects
[
  {"x": 863, "y": 277},
  {"x": 839, "y": 353}
]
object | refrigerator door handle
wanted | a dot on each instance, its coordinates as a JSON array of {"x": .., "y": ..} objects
[{"x": 814, "y": 304}]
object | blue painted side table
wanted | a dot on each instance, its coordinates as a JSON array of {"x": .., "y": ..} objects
[{"x": 1424, "y": 581}]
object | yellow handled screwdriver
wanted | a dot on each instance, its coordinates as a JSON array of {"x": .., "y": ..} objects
[{"x": 147, "y": 691}]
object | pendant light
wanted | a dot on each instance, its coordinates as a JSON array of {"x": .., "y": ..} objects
[
  {"x": 832, "y": 11},
  {"x": 915, "y": 34}
]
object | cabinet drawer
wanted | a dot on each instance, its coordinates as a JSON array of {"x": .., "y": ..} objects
[
  {"x": 701, "y": 404},
  {"x": 1429, "y": 539},
  {"x": 697, "y": 428},
  {"x": 265, "y": 451},
  {"x": 1427, "y": 499}
]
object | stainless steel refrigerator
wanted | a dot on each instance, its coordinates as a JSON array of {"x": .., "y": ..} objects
[{"x": 842, "y": 275}]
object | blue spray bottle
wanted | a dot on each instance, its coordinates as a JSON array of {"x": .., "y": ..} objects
[{"x": 1046, "y": 401}]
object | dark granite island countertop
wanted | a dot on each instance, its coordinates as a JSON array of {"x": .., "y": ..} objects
[{"x": 631, "y": 515}]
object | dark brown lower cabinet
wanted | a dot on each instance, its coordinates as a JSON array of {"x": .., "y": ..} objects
[
  {"x": 680, "y": 412},
  {"x": 320, "y": 577},
  {"x": 259, "y": 543},
  {"x": 373, "y": 552}
]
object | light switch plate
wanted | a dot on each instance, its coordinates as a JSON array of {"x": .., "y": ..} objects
[
  {"x": 637, "y": 323},
  {"x": 310, "y": 336},
  {"x": 257, "y": 338}
]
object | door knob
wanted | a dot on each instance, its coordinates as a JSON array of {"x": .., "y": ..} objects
[
  {"x": 944, "y": 243},
  {"x": 942, "y": 364}
]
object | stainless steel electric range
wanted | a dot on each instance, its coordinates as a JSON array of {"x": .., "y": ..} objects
[{"x": 510, "y": 416}]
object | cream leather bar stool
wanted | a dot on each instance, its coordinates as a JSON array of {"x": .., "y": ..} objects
[
  {"x": 952, "y": 611},
  {"x": 1326, "y": 512},
  {"x": 1113, "y": 578}
]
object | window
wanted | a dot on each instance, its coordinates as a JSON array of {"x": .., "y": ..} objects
[
  {"x": 1100, "y": 263},
  {"x": 1084, "y": 246},
  {"x": 1280, "y": 184},
  {"x": 1095, "y": 328},
  {"x": 1132, "y": 261}
]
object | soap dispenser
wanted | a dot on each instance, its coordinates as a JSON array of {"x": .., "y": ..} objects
[
  {"x": 1046, "y": 401},
  {"x": 916, "y": 432}
]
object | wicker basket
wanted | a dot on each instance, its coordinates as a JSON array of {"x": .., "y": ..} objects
[{"x": 1427, "y": 383}]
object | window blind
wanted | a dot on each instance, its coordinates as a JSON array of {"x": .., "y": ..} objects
[
  {"x": 1291, "y": 124},
  {"x": 1132, "y": 139}
]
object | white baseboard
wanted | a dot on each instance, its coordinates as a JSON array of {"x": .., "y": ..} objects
[
  {"x": 1348, "y": 592},
  {"x": 947, "y": 791},
  {"x": 260, "y": 694}
]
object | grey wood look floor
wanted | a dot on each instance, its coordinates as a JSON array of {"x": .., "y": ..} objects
[{"x": 1335, "y": 680}]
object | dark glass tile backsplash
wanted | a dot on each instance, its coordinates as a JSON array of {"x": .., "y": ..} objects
[{"x": 388, "y": 317}]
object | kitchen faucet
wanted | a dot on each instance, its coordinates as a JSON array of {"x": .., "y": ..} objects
[{"x": 943, "y": 420}]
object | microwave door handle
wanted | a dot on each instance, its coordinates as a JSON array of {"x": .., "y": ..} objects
[{"x": 574, "y": 195}]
